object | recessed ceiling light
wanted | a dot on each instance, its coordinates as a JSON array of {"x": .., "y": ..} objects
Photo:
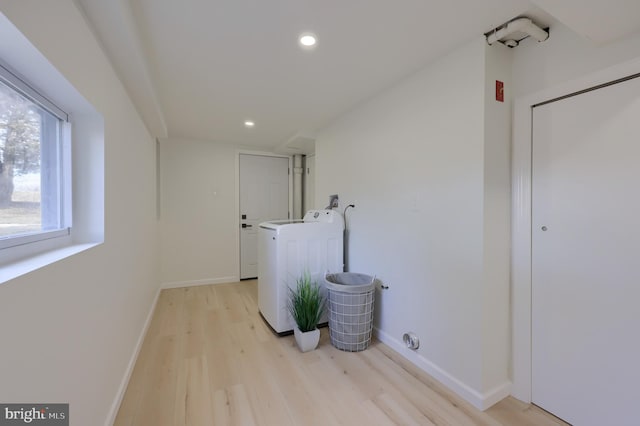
[
  {"x": 249, "y": 124},
  {"x": 307, "y": 40}
]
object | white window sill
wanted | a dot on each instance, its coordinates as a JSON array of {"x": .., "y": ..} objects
[{"x": 12, "y": 270}]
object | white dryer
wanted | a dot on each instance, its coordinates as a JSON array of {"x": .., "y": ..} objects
[{"x": 289, "y": 248}]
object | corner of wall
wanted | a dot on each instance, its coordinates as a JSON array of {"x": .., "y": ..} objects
[{"x": 496, "y": 218}]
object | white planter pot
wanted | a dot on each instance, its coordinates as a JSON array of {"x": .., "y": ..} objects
[{"x": 307, "y": 341}]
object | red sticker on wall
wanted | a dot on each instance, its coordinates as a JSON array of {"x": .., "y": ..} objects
[{"x": 499, "y": 91}]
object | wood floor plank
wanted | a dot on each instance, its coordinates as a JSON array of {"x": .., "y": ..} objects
[
  {"x": 400, "y": 412},
  {"x": 373, "y": 415},
  {"x": 193, "y": 400},
  {"x": 156, "y": 405},
  {"x": 512, "y": 411},
  {"x": 210, "y": 359}
]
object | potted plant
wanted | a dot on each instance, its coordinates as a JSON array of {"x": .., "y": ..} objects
[{"x": 306, "y": 305}]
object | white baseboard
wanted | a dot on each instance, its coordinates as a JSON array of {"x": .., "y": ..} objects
[
  {"x": 497, "y": 394},
  {"x": 206, "y": 281},
  {"x": 113, "y": 412},
  {"x": 481, "y": 401}
]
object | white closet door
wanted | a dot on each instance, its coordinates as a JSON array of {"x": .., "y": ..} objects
[{"x": 586, "y": 256}]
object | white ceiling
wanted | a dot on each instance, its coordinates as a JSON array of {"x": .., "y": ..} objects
[{"x": 197, "y": 69}]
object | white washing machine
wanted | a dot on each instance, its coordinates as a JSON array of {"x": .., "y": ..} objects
[{"x": 289, "y": 248}]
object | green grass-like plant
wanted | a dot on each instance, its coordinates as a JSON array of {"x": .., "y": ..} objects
[{"x": 306, "y": 303}]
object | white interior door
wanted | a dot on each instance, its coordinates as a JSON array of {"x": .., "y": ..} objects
[
  {"x": 264, "y": 195},
  {"x": 309, "y": 183},
  {"x": 586, "y": 256}
]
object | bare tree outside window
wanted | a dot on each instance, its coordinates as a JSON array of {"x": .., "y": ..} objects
[{"x": 21, "y": 130}]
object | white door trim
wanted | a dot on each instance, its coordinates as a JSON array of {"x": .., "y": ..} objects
[
  {"x": 521, "y": 216},
  {"x": 237, "y": 191}
]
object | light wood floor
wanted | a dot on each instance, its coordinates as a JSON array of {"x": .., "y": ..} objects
[{"x": 209, "y": 359}]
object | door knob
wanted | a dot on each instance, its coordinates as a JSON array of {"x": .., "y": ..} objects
[
  {"x": 244, "y": 225},
  {"x": 544, "y": 228}
]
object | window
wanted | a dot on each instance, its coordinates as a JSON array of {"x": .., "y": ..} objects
[{"x": 34, "y": 174}]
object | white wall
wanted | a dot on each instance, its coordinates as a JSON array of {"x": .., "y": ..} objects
[
  {"x": 563, "y": 64},
  {"x": 198, "y": 212},
  {"x": 426, "y": 180},
  {"x": 69, "y": 330}
]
